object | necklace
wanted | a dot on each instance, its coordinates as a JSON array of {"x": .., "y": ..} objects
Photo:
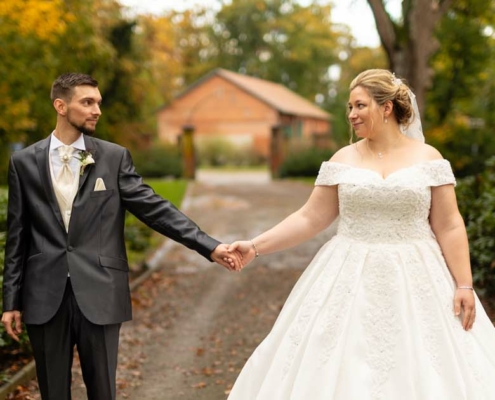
[{"x": 380, "y": 154}]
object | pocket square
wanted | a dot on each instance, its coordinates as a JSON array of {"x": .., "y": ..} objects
[{"x": 100, "y": 185}]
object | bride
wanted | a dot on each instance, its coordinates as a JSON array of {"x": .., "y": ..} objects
[{"x": 386, "y": 309}]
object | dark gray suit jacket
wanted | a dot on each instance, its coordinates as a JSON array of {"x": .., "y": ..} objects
[{"x": 39, "y": 252}]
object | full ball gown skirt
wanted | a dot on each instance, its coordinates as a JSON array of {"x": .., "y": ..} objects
[{"x": 372, "y": 316}]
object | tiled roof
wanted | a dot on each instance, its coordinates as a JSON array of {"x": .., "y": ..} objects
[{"x": 275, "y": 95}]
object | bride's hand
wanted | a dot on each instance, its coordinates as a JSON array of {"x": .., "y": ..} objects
[
  {"x": 464, "y": 300},
  {"x": 246, "y": 249}
]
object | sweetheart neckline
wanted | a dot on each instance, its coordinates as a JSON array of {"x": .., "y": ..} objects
[{"x": 391, "y": 173}]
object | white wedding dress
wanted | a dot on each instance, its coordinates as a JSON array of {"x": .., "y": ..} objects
[{"x": 372, "y": 317}]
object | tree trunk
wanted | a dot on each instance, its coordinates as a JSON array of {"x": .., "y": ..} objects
[{"x": 410, "y": 44}]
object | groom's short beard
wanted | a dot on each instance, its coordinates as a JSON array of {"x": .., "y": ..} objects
[
  {"x": 83, "y": 129},
  {"x": 80, "y": 127},
  {"x": 86, "y": 131}
]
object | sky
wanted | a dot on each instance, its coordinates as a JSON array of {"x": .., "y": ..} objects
[{"x": 354, "y": 13}]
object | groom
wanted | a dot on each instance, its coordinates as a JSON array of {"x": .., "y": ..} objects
[{"x": 66, "y": 267}]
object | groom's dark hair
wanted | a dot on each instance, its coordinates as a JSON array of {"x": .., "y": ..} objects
[{"x": 63, "y": 86}]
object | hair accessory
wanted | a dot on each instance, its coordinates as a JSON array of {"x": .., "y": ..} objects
[{"x": 396, "y": 81}]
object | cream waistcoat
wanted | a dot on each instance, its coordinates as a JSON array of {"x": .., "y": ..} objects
[{"x": 65, "y": 196}]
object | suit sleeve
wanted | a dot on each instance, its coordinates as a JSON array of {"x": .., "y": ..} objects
[
  {"x": 15, "y": 247},
  {"x": 158, "y": 213}
]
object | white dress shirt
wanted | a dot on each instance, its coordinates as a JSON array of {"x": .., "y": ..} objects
[{"x": 74, "y": 162}]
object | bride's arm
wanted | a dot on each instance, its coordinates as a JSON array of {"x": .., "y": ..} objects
[
  {"x": 318, "y": 213},
  {"x": 450, "y": 231}
]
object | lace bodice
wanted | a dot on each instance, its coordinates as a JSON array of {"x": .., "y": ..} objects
[{"x": 385, "y": 210}]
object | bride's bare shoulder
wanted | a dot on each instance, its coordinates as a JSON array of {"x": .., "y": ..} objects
[
  {"x": 425, "y": 152},
  {"x": 347, "y": 154}
]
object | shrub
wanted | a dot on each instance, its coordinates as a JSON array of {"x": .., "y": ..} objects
[
  {"x": 218, "y": 151},
  {"x": 476, "y": 199},
  {"x": 304, "y": 162},
  {"x": 158, "y": 161}
]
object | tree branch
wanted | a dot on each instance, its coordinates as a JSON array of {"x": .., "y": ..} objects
[{"x": 384, "y": 25}]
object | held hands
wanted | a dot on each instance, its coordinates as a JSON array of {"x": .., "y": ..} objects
[
  {"x": 236, "y": 256},
  {"x": 464, "y": 304},
  {"x": 10, "y": 318},
  {"x": 230, "y": 260},
  {"x": 246, "y": 249}
]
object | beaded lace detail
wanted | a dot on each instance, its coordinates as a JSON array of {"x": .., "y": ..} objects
[{"x": 385, "y": 210}]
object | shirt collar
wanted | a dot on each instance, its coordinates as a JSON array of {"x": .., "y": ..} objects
[{"x": 79, "y": 144}]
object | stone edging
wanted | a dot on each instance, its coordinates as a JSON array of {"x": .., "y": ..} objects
[
  {"x": 28, "y": 372},
  {"x": 24, "y": 375}
]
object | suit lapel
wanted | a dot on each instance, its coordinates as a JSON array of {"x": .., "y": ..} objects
[
  {"x": 91, "y": 148},
  {"x": 43, "y": 160}
]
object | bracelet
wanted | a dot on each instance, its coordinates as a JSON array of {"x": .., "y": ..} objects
[
  {"x": 256, "y": 254},
  {"x": 465, "y": 287}
]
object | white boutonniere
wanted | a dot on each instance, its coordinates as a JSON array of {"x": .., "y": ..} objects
[{"x": 86, "y": 159}]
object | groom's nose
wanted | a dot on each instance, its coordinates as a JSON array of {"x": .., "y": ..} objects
[{"x": 96, "y": 109}]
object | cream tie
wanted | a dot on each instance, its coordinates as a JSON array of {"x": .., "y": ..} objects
[{"x": 65, "y": 177}]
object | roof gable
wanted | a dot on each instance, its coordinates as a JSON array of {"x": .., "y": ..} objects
[{"x": 275, "y": 95}]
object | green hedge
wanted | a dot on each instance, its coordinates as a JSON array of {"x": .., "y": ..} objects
[
  {"x": 304, "y": 162},
  {"x": 217, "y": 151},
  {"x": 158, "y": 161},
  {"x": 476, "y": 199}
]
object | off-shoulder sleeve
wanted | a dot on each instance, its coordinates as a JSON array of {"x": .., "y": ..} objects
[
  {"x": 440, "y": 173},
  {"x": 330, "y": 173}
]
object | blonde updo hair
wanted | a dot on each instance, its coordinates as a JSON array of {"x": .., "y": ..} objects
[{"x": 383, "y": 86}]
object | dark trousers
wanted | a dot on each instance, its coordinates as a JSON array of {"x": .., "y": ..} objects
[{"x": 53, "y": 346}]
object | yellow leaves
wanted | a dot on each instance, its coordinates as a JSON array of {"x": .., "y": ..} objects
[
  {"x": 44, "y": 19},
  {"x": 15, "y": 114},
  {"x": 446, "y": 132}
]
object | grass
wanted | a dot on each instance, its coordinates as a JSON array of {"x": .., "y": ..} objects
[
  {"x": 235, "y": 168},
  {"x": 138, "y": 233},
  {"x": 172, "y": 190}
]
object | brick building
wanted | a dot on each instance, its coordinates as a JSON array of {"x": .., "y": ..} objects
[{"x": 243, "y": 110}]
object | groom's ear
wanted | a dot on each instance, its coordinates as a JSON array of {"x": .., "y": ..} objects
[{"x": 60, "y": 107}]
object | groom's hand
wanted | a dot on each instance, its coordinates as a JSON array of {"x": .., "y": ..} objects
[
  {"x": 10, "y": 318},
  {"x": 230, "y": 260}
]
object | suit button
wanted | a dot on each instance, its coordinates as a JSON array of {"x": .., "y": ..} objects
[{"x": 70, "y": 248}]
